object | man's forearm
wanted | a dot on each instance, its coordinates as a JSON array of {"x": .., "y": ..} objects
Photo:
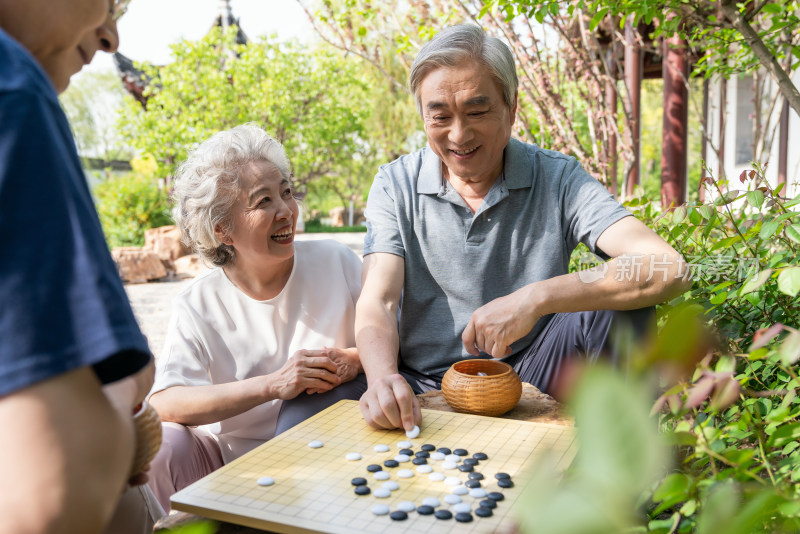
[
  {"x": 376, "y": 338},
  {"x": 624, "y": 283}
]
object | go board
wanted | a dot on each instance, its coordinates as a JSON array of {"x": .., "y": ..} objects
[{"x": 313, "y": 492}]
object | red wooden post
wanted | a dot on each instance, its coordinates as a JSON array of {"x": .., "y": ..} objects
[{"x": 675, "y": 70}]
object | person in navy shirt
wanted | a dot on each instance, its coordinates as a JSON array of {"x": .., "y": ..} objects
[{"x": 73, "y": 362}]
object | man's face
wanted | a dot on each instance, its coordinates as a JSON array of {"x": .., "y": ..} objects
[
  {"x": 63, "y": 36},
  {"x": 467, "y": 121}
]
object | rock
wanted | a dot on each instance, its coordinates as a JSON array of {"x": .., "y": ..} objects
[
  {"x": 166, "y": 242},
  {"x": 189, "y": 266},
  {"x": 337, "y": 216},
  {"x": 136, "y": 265},
  {"x": 533, "y": 406}
]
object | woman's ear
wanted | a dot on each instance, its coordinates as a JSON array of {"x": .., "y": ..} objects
[{"x": 222, "y": 236}]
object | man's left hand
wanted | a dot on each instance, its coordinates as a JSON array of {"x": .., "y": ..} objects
[{"x": 496, "y": 325}]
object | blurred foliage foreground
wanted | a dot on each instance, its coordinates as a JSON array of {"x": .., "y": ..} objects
[{"x": 718, "y": 450}]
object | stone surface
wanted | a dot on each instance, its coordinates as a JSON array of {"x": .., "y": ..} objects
[
  {"x": 166, "y": 242},
  {"x": 533, "y": 406},
  {"x": 136, "y": 265},
  {"x": 189, "y": 266}
]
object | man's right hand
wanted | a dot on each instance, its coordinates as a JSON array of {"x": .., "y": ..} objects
[{"x": 389, "y": 402}]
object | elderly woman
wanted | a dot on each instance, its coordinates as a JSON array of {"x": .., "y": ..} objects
[{"x": 273, "y": 321}]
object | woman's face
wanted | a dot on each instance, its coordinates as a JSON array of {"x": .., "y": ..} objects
[
  {"x": 63, "y": 36},
  {"x": 264, "y": 216}
]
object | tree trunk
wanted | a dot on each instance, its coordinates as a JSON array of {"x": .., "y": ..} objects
[{"x": 790, "y": 92}]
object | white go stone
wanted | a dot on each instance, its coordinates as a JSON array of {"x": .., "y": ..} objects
[
  {"x": 381, "y": 448},
  {"x": 266, "y": 481},
  {"x": 452, "y": 458},
  {"x": 436, "y": 477},
  {"x": 413, "y": 433},
  {"x": 380, "y": 509},
  {"x": 381, "y": 475},
  {"x": 478, "y": 493},
  {"x": 462, "y": 507},
  {"x": 404, "y": 444},
  {"x": 406, "y": 506},
  {"x": 390, "y": 485},
  {"x": 402, "y": 458},
  {"x": 382, "y": 493},
  {"x": 452, "y": 499},
  {"x": 438, "y": 456},
  {"x": 459, "y": 490},
  {"x": 424, "y": 469},
  {"x": 353, "y": 456},
  {"x": 449, "y": 465},
  {"x": 431, "y": 501},
  {"x": 452, "y": 481},
  {"x": 316, "y": 444},
  {"x": 405, "y": 473}
]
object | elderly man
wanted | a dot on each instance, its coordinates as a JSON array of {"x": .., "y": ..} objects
[{"x": 470, "y": 239}]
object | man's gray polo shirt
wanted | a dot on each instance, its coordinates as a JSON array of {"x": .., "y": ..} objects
[{"x": 534, "y": 215}]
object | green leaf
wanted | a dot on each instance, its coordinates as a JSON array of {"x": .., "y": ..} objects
[
  {"x": 755, "y": 198},
  {"x": 597, "y": 18},
  {"x": 678, "y": 214},
  {"x": 793, "y": 232},
  {"x": 784, "y": 435},
  {"x": 790, "y": 348},
  {"x": 768, "y": 229},
  {"x": 675, "y": 485},
  {"x": 771, "y": 8},
  {"x": 706, "y": 211},
  {"x": 719, "y": 298},
  {"x": 789, "y": 281},
  {"x": 754, "y": 283}
]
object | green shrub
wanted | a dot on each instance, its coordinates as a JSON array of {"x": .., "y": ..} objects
[
  {"x": 128, "y": 205},
  {"x": 733, "y": 420}
]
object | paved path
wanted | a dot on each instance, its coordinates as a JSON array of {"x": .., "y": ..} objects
[{"x": 152, "y": 302}]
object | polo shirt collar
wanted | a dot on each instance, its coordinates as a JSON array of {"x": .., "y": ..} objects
[{"x": 517, "y": 169}]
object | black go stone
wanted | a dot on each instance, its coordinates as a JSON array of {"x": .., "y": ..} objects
[
  {"x": 496, "y": 496},
  {"x": 419, "y": 461},
  {"x": 444, "y": 450},
  {"x": 473, "y": 483},
  {"x": 358, "y": 481},
  {"x": 483, "y": 511},
  {"x": 463, "y": 517},
  {"x": 488, "y": 503},
  {"x": 470, "y": 461},
  {"x": 362, "y": 490},
  {"x": 428, "y": 447},
  {"x": 407, "y": 452},
  {"x": 374, "y": 468},
  {"x": 425, "y": 509},
  {"x": 391, "y": 463},
  {"x": 443, "y": 514},
  {"x": 500, "y": 476},
  {"x": 505, "y": 483},
  {"x": 423, "y": 454},
  {"x": 399, "y": 515},
  {"x": 480, "y": 456},
  {"x": 466, "y": 468},
  {"x": 460, "y": 452},
  {"x": 475, "y": 476}
]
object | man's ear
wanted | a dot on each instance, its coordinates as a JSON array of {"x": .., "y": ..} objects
[{"x": 222, "y": 236}]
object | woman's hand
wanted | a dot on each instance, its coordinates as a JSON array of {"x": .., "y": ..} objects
[
  {"x": 305, "y": 370},
  {"x": 346, "y": 360}
]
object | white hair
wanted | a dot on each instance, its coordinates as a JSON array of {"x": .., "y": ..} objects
[
  {"x": 453, "y": 45},
  {"x": 207, "y": 184}
]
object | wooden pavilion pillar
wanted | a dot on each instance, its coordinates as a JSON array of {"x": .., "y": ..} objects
[
  {"x": 675, "y": 71},
  {"x": 633, "y": 82}
]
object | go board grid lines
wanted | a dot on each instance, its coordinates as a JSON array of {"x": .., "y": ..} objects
[{"x": 312, "y": 490}]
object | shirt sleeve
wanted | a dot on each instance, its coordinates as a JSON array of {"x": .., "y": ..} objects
[
  {"x": 63, "y": 304},
  {"x": 383, "y": 230},
  {"x": 587, "y": 208},
  {"x": 184, "y": 361}
]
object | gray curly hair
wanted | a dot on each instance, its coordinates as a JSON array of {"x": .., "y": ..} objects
[
  {"x": 207, "y": 184},
  {"x": 465, "y": 41}
]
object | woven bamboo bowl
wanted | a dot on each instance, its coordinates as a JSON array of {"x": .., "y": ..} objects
[
  {"x": 147, "y": 423},
  {"x": 493, "y": 392}
]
